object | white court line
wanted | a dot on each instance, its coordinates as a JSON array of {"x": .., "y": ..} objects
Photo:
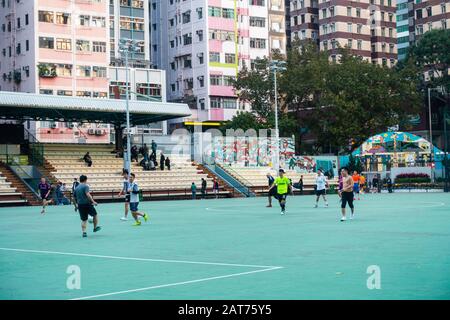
[
  {"x": 176, "y": 284},
  {"x": 138, "y": 259}
]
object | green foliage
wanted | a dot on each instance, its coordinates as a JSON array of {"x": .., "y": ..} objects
[
  {"x": 336, "y": 102},
  {"x": 432, "y": 52}
]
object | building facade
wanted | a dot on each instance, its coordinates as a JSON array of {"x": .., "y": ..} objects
[
  {"x": 202, "y": 44},
  {"x": 366, "y": 27},
  {"x": 70, "y": 48}
]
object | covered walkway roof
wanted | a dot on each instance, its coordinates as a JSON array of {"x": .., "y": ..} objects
[{"x": 30, "y": 106}]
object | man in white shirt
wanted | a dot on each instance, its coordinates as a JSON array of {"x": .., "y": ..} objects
[
  {"x": 133, "y": 189},
  {"x": 321, "y": 186}
]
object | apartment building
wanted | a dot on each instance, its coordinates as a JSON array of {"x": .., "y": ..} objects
[
  {"x": 70, "y": 48},
  {"x": 204, "y": 43},
  {"x": 367, "y": 27},
  {"x": 427, "y": 15}
]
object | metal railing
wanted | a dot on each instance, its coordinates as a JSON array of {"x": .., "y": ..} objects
[
  {"x": 35, "y": 149},
  {"x": 29, "y": 181}
]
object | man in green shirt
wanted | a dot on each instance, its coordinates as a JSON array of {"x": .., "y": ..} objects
[{"x": 283, "y": 184}]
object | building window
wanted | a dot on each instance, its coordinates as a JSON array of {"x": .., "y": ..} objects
[
  {"x": 98, "y": 46},
  {"x": 64, "y": 70},
  {"x": 230, "y": 58},
  {"x": 359, "y": 44},
  {"x": 257, "y": 43},
  {"x": 46, "y": 16},
  {"x": 99, "y": 72},
  {"x": 46, "y": 43},
  {"x": 215, "y": 80},
  {"x": 46, "y": 91},
  {"x": 200, "y": 13},
  {"x": 187, "y": 39},
  {"x": 83, "y": 71},
  {"x": 350, "y": 43},
  {"x": 83, "y": 46},
  {"x": 84, "y": 94},
  {"x": 187, "y": 16},
  {"x": 62, "y": 18},
  {"x": 261, "y": 22},
  {"x": 64, "y": 44},
  {"x": 66, "y": 93},
  {"x": 99, "y": 22},
  {"x": 214, "y": 57},
  {"x": 27, "y": 19},
  {"x": 103, "y": 95},
  {"x": 27, "y": 45},
  {"x": 83, "y": 20}
]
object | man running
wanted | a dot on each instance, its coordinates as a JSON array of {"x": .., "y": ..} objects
[
  {"x": 272, "y": 192},
  {"x": 321, "y": 186},
  {"x": 125, "y": 192},
  {"x": 133, "y": 189},
  {"x": 283, "y": 184},
  {"x": 356, "y": 178},
  {"x": 347, "y": 193},
  {"x": 85, "y": 204},
  {"x": 216, "y": 188}
]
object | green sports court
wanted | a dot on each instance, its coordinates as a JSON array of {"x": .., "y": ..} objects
[{"x": 232, "y": 249}]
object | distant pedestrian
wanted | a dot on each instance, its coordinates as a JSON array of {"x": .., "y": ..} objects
[
  {"x": 193, "y": 190},
  {"x": 87, "y": 159},
  {"x": 203, "y": 189},
  {"x": 162, "y": 160},
  {"x": 272, "y": 191},
  {"x": 216, "y": 188},
  {"x": 167, "y": 162},
  {"x": 300, "y": 184},
  {"x": 154, "y": 147}
]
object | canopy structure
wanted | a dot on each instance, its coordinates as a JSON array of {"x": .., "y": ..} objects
[
  {"x": 394, "y": 142},
  {"x": 29, "y": 106}
]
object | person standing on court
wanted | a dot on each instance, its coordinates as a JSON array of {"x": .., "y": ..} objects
[
  {"x": 283, "y": 186},
  {"x": 272, "y": 192},
  {"x": 321, "y": 186},
  {"x": 86, "y": 203},
  {"x": 347, "y": 193}
]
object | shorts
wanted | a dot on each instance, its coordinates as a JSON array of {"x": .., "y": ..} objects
[
  {"x": 134, "y": 206},
  {"x": 347, "y": 197},
  {"x": 43, "y": 197},
  {"x": 321, "y": 192},
  {"x": 281, "y": 197},
  {"x": 127, "y": 198},
  {"x": 273, "y": 193},
  {"x": 356, "y": 187},
  {"x": 86, "y": 210}
]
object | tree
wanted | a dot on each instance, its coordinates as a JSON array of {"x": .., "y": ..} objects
[
  {"x": 432, "y": 53},
  {"x": 359, "y": 100},
  {"x": 255, "y": 87}
]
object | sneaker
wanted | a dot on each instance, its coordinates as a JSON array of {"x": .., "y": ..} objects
[
  {"x": 84, "y": 235},
  {"x": 146, "y": 217},
  {"x": 136, "y": 224},
  {"x": 352, "y": 216},
  {"x": 97, "y": 228},
  {"x": 326, "y": 205},
  {"x": 269, "y": 206},
  {"x": 42, "y": 211},
  {"x": 124, "y": 219},
  {"x": 283, "y": 212},
  {"x": 343, "y": 219},
  {"x": 316, "y": 206}
]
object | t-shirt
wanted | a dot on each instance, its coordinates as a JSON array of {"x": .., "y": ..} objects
[
  {"x": 355, "y": 178},
  {"x": 282, "y": 185},
  {"x": 270, "y": 180},
  {"x": 43, "y": 188},
  {"x": 193, "y": 188},
  {"x": 321, "y": 182},
  {"x": 134, "y": 197},
  {"x": 362, "y": 180},
  {"x": 80, "y": 194}
]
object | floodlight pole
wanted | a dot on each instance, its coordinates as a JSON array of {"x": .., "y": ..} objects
[
  {"x": 277, "y": 135},
  {"x": 128, "y": 157}
]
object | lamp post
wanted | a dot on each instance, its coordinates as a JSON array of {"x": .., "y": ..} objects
[
  {"x": 275, "y": 66},
  {"x": 125, "y": 47}
]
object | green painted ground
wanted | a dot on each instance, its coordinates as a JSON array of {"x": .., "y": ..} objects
[{"x": 406, "y": 235}]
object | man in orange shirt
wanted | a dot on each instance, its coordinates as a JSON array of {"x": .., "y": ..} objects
[
  {"x": 362, "y": 183},
  {"x": 356, "y": 179}
]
